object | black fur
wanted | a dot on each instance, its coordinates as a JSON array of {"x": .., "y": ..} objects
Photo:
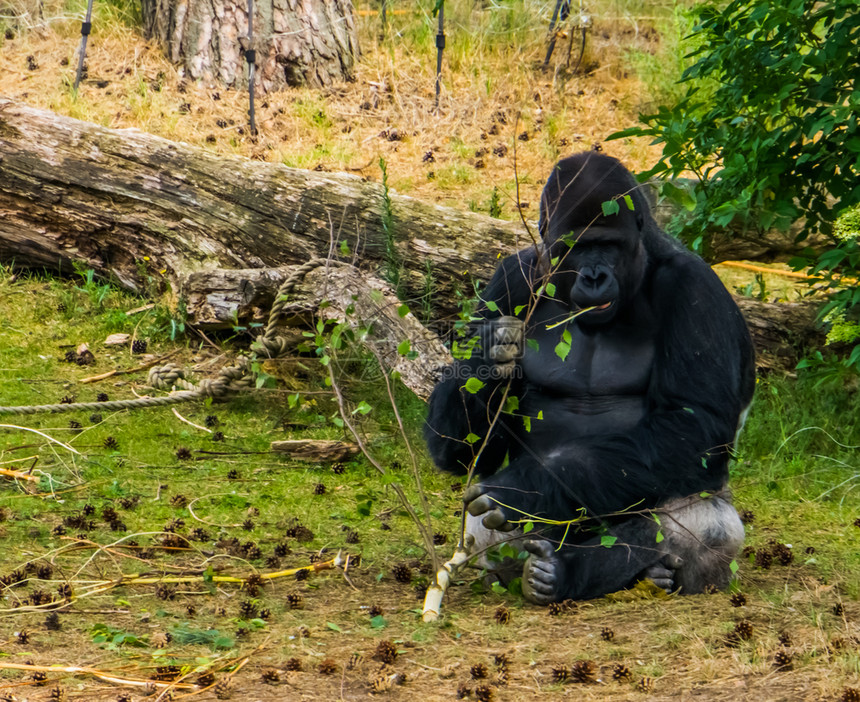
[{"x": 646, "y": 406}]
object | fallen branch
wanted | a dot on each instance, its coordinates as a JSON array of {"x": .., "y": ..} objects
[
  {"x": 436, "y": 591},
  {"x": 100, "y": 586},
  {"x": 100, "y": 674},
  {"x": 18, "y": 475}
]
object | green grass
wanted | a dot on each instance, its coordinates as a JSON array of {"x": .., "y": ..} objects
[{"x": 796, "y": 472}]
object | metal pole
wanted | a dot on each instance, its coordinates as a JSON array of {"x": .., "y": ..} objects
[
  {"x": 440, "y": 47},
  {"x": 86, "y": 25},
  {"x": 251, "y": 58},
  {"x": 552, "y": 24}
]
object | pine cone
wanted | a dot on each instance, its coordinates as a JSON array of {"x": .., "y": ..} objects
[
  {"x": 782, "y": 660},
  {"x": 738, "y": 599},
  {"x": 850, "y": 694},
  {"x": 327, "y": 667},
  {"x": 502, "y": 615},
  {"x": 479, "y": 671},
  {"x": 607, "y": 634},
  {"x": 560, "y": 673},
  {"x": 484, "y": 693},
  {"x": 763, "y": 559},
  {"x": 386, "y": 651},
  {"x": 402, "y": 573},
  {"x": 222, "y": 689},
  {"x": 621, "y": 672},
  {"x": 744, "y": 629},
  {"x": 646, "y": 684},
  {"x": 584, "y": 672},
  {"x": 248, "y": 609},
  {"x": 271, "y": 676},
  {"x": 138, "y": 346},
  {"x": 295, "y": 600}
]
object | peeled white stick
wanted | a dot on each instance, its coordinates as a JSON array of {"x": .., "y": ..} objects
[{"x": 433, "y": 598}]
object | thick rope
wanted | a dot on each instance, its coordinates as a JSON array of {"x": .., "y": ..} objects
[{"x": 230, "y": 380}]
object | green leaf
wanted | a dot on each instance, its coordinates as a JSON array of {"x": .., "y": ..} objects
[
  {"x": 403, "y": 347},
  {"x": 733, "y": 566},
  {"x": 608, "y": 541},
  {"x": 333, "y": 627},
  {"x": 498, "y": 588},
  {"x": 550, "y": 289},
  {"x": 378, "y": 622},
  {"x": 629, "y": 202},
  {"x": 562, "y": 349},
  {"x": 402, "y": 311},
  {"x": 472, "y": 438},
  {"x": 610, "y": 207},
  {"x": 512, "y": 404},
  {"x": 533, "y": 345},
  {"x": 527, "y": 423},
  {"x": 363, "y": 408},
  {"x": 473, "y": 385},
  {"x": 660, "y": 537},
  {"x": 528, "y": 526},
  {"x": 518, "y": 309},
  {"x": 492, "y": 306}
]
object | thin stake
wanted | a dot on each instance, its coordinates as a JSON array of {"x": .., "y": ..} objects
[
  {"x": 86, "y": 25},
  {"x": 440, "y": 47},
  {"x": 251, "y": 58},
  {"x": 552, "y": 26}
]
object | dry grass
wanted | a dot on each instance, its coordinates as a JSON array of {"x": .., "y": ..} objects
[{"x": 493, "y": 96}]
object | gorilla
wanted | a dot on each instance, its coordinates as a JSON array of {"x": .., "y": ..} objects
[{"x": 612, "y": 372}]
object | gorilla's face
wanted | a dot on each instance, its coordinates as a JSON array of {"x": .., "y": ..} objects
[
  {"x": 597, "y": 260},
  {"x": 600, "y": 268}
]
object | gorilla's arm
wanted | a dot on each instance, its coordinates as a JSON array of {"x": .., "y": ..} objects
[
  {"x": 703, "y": 378},
  {"x": 454, "y": 412}
]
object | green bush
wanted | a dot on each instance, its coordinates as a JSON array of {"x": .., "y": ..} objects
[{"x": 769, "y": 125}]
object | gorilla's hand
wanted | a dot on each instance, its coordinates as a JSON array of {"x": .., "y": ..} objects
[
  {"x": 478, "y": 502},
  {"x": 505, "y": 343}
]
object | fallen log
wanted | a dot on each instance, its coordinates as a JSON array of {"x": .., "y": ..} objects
[{"x": 134, "y": 207}]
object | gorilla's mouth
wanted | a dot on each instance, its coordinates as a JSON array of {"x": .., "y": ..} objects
[{"x": 604, "y": 306}]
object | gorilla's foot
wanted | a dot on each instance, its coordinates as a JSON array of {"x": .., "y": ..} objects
[
  {"x": 662, "y": 573},
  {"x": 543, "y": 573}
]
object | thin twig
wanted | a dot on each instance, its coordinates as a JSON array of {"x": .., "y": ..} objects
[{"x": 189, "y": 422}]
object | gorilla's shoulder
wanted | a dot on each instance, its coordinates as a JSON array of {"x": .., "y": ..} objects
[{"x": 513, "y": 281}]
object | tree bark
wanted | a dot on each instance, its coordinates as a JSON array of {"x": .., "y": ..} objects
[
  {"x": 297, "y": 42},
  {"x": 135, "y": 207}
]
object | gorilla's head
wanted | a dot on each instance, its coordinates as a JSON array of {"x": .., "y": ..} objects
[{"x": 598, "y": 259}]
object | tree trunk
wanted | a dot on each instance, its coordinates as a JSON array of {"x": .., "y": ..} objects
[
  {"x": 297, "y": 42},
  {"x": 135, "y": 207}
]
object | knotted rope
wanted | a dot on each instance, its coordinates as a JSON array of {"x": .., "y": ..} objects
[{"x": 230, "y": 380}]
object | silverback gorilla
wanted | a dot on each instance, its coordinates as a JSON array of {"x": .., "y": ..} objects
[{"x": 631, "y": 369}]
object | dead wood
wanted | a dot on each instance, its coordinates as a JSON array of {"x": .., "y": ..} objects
[{"x": 316, "y": 450}]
